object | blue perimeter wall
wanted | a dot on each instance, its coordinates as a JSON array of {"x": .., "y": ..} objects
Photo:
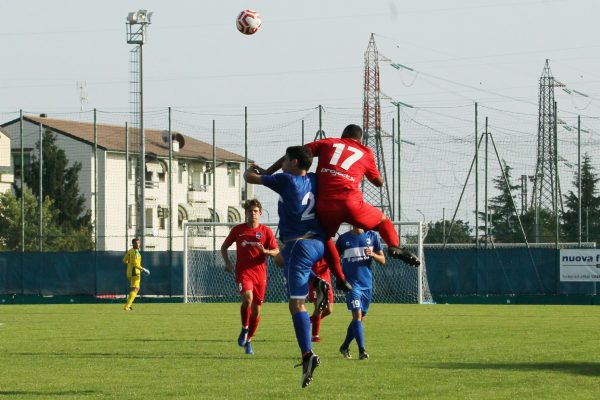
[{"x": 450, "y": 272}]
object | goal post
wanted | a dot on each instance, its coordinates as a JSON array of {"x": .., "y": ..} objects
[{"x": 205, "y": 280}]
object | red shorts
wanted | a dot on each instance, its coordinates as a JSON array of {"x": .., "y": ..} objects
[
  {"x": 249, "y": 280},
  {"x": 355, "y": 212},
  {"x": 311, "y": 290}
]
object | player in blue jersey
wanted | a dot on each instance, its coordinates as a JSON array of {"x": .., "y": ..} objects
[
  {"x": 303, "y": 240},
  {"x": 357, "y": 248}
]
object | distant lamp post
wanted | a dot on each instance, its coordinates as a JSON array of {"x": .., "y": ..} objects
[
  {"x": 422, "y": 215},
  {"x": 137, "y": 31}
]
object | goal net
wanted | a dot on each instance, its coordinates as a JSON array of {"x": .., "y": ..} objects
[{"x": 205, "y": 280}]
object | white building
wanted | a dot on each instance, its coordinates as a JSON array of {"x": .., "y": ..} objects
[
  {"x": 192, "y": 180},
  {"x": 6, "y": 169}
]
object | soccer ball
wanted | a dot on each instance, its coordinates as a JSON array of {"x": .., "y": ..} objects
[{"x": 248, "y": 22}]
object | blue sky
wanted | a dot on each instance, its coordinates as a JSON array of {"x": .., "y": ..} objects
[
  {"x": 310, "y": 53},
  {"x": 307, "y": 53}
]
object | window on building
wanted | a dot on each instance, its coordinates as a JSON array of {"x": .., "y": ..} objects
[
  {"x": 207, "y": 176},
  {"x": 163, "y": 216},
  {"x": 131, "y": 215},
  {"x": 181, "y": 216},
  {"x": 149, "y": 218},
  {"x": 131, "y": 168},
  {"x": 161, "y": 176},
  {"x": 16, "y": 161},
  {"x": 232, "y": 175},
  {"x": 180, "y": 168}
]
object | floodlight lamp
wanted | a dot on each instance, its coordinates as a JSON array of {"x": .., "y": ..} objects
[
  {"x": 139, "y": 17},
  {"x": 132, "y": 17}
]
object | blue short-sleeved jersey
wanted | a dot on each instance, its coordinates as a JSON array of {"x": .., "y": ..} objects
[
  {"x": 355, "y": 264},
  {"x": 296, "y": 206}
]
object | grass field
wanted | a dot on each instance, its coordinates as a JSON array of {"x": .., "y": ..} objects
[{"x": 179, "y": 351}]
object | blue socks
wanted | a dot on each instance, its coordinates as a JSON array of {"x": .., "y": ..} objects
[
  {"x": 302, "y": 328},
  {"x": 359, "y": 334},
  {"x": 355, "y": 331}
]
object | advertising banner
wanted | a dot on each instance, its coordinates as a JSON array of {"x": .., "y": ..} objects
[{"x": 580, "y": 265}]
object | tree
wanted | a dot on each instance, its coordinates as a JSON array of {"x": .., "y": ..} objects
[
  {"x": 590, "y": 206},
  {"x": 547, "y": 226},
  {"x": 60, "y": 183},
  {"x": 504, "y": 221},
  {"x": 461, "y": 232},
  {"x": 10, "y": 223}
]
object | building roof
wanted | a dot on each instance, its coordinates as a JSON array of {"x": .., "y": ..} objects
[{"x": 112, "y": 138}]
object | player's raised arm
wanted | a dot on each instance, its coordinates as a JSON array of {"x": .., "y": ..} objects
[
  {"x": 252, "y": 175},
  {"x": 372, "y": 173},
  {"x": 275, "y": 167},
  {"x": 377, "y": 181}
]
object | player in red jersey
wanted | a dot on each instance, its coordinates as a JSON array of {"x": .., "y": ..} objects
[
  {"x": 342, "y": 165},
  {"x": 253, "y": 243},
  {"x": 322, "y": 271}
]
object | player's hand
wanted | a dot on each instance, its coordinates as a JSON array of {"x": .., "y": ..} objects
[
  {"x": 261, "y": 248},
  {"x": 256, "y": 169},
  {"x": 279, "y": 261},
  {"x": 146, "y": 271},
  {"x": 369, "y": 252},
  {"x": 228, "y": 267}
]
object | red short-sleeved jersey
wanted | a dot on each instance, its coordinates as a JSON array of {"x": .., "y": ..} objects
[
  {"x": 341, "y": 167},
  {"x": 246, "y": 240}
]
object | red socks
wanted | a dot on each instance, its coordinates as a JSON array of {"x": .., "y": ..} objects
[
  {"x": 315, "y": 322},
  {"x": 388, "y": 233},
  {"x": 333, "y": 260},
  {"x": 253, "y": 326},
  {"x": 245, "y": 312}
]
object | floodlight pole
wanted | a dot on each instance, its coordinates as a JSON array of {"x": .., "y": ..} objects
[{"x": 137, "y": 29}]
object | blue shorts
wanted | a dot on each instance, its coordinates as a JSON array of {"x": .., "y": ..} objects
[
  {"x": 359, "y": 299},
  {"x": 299, "y": 256}
]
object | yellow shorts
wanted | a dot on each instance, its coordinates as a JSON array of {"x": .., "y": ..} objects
[{"x": 134, "y": 282}]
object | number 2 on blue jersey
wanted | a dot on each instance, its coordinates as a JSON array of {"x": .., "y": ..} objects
[{"x": 309, "y": 198}]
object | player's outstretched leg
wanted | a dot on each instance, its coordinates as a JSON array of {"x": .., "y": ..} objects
[
  {"x": 334, "y": 264},
  {"x": 372, "y": 218},
  {"x": 390, "y": 237},
  {"x": 404, "y": 255}
]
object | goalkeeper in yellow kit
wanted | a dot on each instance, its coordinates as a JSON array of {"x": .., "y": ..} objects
[{"x": 133, "y": 260}]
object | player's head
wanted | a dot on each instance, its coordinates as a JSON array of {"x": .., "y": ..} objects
[
  {"x": 253, "y": 210},
  {"x": 357, "y": 229},
  {"x": 135, "y": 242},
  {"x": 352, "y": 132},
  {"x": 297, "y": 159}
]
